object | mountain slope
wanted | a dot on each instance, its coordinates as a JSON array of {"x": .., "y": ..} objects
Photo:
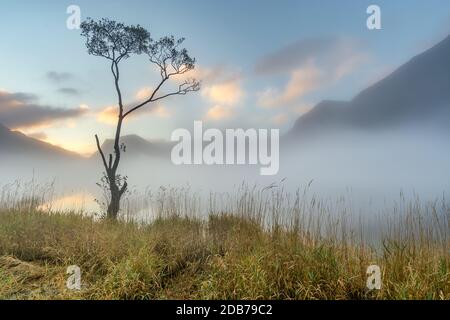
[
  {"x": 13, "y": 144},
  {"x": 417, "y": 90},
  {"x": 135, "y": 146}
]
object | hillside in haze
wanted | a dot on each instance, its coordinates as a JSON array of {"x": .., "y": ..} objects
[
  {"x": 23, "y": 158},
  {"x": 416, "y": 93},
  {"x": 16, "y": 144},
  {"x": 136, "y": 147}
]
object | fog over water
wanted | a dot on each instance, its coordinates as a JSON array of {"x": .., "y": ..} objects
[{"x": 369, "y": 169}]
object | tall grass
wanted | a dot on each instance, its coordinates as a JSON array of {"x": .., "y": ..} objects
[{"x": 253, "y": 244}]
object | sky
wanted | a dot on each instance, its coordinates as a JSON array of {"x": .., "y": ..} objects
[{"x": 262, "y": 63}]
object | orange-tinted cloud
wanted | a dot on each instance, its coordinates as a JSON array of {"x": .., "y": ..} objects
[
  {"x": 144, "y": 93},
  {"x": 109, "y": 114},
  {"x": 219, "y": 112},
  {"x": 309, "y": 64},
  {"x": 302, "y": 81},
  {"x": 227, "y": 93},
  {"x": 280, "y": 119}
]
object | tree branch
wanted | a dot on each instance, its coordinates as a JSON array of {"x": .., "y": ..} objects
[
  {"x": 110, "y": 161},
  {"x": 183, "y": 89},
  {"x": 101, "y": 153},
  {"x": 148, "y": 100},
  {"x": 123, "y": 189}
]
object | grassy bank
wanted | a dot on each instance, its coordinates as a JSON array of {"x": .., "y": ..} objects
[{"x": 223, "y": 256}]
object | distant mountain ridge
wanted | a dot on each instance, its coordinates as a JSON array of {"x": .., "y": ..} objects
[
  {"x": 136, "y": 146},
  {"x": 416, "y": 90},
  {"x": 13, "y": 143}
]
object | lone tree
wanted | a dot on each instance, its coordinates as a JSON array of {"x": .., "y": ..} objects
[{"x": 117, "y": 42}]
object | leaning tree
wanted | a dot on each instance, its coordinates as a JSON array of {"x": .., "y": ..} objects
[{"x": 117, "y": 42}]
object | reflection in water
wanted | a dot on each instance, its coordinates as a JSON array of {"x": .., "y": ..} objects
[
  {"x": 80, "y": 202},
  {"x": 269, "y": 206},
  {"x": 135, "y": 207}
]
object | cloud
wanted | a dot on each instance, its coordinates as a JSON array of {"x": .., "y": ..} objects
[
  {"x": 69, "y": 91},
  {"x": 348, "y": 65},
  {"x": 221, "y": 87},
  {"x": 144, "y": 93},
  {"x": 210, "y": 75},
  {"x": 280, "y": 119},
  {"x": 62, "y": 77},
  {"x": 38, "y": 135},
  {"x": 219, "y": 112},
  {"x": 227, "y": 93},
  {"x": 328, "y": 51},
  {"x": 160, "y": 111},
  {"x": 302, "y": 108},
  {"x": 58, "y": 77},
  {"x": 302, "y": 81},
  {"x": 219, "y": 84},
  {"x": 310, "y": 65},
  {"x": 109, "y": 114},
  {"x": 22, "y": 110}
]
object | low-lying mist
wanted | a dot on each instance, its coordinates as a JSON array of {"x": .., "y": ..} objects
[{"x": 372, "y": 170}]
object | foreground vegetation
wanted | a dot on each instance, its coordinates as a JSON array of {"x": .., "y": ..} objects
[{"x": 227, "y": 255}]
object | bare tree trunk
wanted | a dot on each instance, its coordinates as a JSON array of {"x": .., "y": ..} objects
[
  {"x": 114, "y": 205},
  {"x": 116, "y": 190}
]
